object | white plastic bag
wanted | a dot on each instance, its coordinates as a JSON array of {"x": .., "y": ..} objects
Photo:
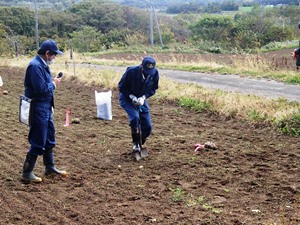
[
  {"x": 103, "y": 102},
  {"x": 25, "y": 110}
]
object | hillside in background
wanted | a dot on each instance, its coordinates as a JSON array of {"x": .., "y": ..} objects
[
  {"x": 63, "y": 4},
  {"x": 56, "y": 4},
  {"x": 110, "y": 25},
  {"x": 159, "y": 4}
]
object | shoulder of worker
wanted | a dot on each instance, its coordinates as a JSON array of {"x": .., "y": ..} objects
[
  {"x": 37, "y": 62},
  {"x": 133, "y": 69}
]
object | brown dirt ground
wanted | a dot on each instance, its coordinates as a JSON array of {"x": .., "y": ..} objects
[{"x": 252, "y": 178}]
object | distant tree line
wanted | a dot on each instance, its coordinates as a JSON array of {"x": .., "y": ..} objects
[
  {"x": 215, "y": 7},
  {"x": 278, "y": 2},
  {"x": 96, "y": 25},
  {"x": 226, "y": 5},
  {"x": 169, "y": 5}
]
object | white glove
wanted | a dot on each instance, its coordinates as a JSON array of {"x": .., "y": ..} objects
[
  {"x": 141, "y": 100},
  {"x": 134, "y": 99}
]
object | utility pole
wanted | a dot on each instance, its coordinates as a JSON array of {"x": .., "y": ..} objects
[
  {"x": 71, "y": 56},
  {"x": 16, "y": 48},
  {"x": 36, "y": 25},
  {"x": 151, "y": 25},
  {"x": 159, "y": 34},
  {"x": 152, "y": 11}
]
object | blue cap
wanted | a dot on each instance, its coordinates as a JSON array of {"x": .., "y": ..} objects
[
  {"x": 50, "y": 45},
  {"x": 148, "y": 65}
]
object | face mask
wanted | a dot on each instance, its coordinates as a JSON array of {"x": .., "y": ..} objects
[{"x": 50, "y": 62}]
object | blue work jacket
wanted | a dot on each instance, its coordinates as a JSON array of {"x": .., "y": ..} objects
[
  {"x": 134, "y": 82},
  {"x": 38, "y": 82}
]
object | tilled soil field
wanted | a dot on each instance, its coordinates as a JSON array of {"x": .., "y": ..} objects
[{"x": 253, "y": 177}]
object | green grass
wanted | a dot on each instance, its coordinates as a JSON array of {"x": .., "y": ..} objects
[
  {"x": 177, "y": 194},
  {"x": 293, "y": 80},
  {"x": 189, "y": 200},
  {"x": 256, "y": 116},
  {"x": 290, "y": 125},
  {"x": 193, "y": 104},
  {"x": 245, "y": 9},
  {"x": 280, "y": 45}
]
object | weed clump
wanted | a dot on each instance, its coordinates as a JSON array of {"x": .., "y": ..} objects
[{"x": 290, "y": 125}]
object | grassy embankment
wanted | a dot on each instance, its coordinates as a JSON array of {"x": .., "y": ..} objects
[{"x": 281, "y": 113}]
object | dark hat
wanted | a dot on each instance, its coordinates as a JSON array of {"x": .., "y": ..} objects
[
  {"x": 50, "y": 45},
  {"x": 148, "y": 65}
]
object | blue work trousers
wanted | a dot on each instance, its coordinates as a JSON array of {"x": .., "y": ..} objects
[
  {"x": 138, "y": 115},
  {"x": 42, "y": 131}
]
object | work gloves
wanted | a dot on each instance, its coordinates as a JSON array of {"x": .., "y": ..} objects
[
  {"x": 137, "y": 101},
  {"x": 141, "y": 100},
  {"x": 134, "y": 99}
]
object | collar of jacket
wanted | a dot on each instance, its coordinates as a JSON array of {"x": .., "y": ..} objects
[{"x": 42, "y": 61}]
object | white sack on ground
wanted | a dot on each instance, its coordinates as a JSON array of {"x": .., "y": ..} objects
[{"x": 103, "y": 102}]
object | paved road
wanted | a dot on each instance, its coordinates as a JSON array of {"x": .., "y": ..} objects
[{"x": 232, "y": 83}]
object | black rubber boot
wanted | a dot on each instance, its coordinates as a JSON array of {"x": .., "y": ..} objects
[
  {"x": 144, "y": 140},
  {"x": 136, "y": 140},
  {"x": 28, "y": 167},
  {"x": 48, "y": 158}
]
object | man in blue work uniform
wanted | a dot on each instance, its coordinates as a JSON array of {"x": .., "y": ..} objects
[
  {"x": 137, "y": 84},
  {"x": 39, "y": 86}
]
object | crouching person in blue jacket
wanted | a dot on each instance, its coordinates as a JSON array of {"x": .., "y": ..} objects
[
  {"x": 138, "y": 84},
  {"x": 39, "y": 86}
]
